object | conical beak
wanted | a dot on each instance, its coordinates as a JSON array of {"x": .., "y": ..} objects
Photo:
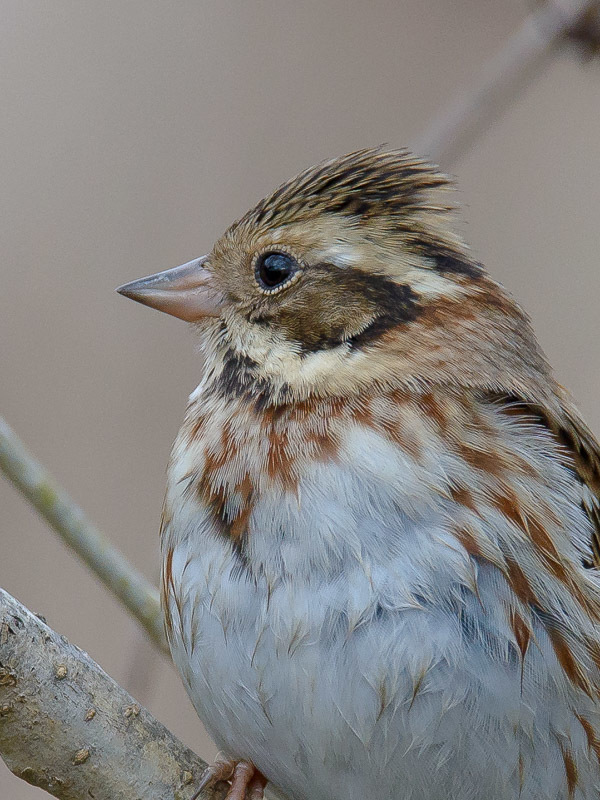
[{"x": 187, "y": 292}]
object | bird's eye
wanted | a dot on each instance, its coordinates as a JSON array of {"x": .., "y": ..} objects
[{"x": 274, "y": 270}]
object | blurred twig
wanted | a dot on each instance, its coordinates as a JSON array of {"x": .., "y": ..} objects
[
  {"x": 136, "y": 593},
  {"x": 454, "y": 129}
]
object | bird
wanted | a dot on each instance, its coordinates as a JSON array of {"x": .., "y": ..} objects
[{"x": 381, "y": 530}]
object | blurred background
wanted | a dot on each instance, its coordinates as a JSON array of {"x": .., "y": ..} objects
[{"x": 132, "y": 134}]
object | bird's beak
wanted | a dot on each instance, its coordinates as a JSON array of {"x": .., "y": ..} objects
[{"x": 187, "y": 292}]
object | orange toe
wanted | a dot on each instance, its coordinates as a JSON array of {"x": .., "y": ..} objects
[{"x": 247, "y": 783}]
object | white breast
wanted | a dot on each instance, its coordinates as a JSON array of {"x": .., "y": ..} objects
[{"x": 351, "y": 648}]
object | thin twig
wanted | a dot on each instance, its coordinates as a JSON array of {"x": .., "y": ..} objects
[
  {"x": 136, "y": 593},
  {"x": 453, "y": 131}
]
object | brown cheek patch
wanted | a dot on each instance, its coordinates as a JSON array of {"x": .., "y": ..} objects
[{"x": 354, "y": 306}]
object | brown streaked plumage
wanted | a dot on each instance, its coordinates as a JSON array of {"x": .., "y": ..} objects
[{"x": 382, "y": 526}]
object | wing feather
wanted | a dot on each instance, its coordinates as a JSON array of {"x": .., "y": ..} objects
[{"x": 579, "y": 446}]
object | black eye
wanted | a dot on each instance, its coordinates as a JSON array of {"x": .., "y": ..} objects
[{"x": 274, "y": 269}]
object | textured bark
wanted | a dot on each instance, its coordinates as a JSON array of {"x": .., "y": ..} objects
[{"x": 68, "y": 728}]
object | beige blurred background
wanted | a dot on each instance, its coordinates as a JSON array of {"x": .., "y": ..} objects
[{"x": 132, "y": 133}]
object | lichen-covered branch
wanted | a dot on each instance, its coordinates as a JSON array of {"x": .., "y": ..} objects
[
  {"x": 68, "y": 728},
  {"x": 136, "y": 593}
]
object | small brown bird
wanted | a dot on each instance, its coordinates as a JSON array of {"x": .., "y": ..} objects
[{"x": 381, "y": 527}]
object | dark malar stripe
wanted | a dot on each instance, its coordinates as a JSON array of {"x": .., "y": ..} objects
[{"x": 238, "y": 379}]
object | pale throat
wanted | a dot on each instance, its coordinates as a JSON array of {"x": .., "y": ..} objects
[{"x": 262, "y": 356}]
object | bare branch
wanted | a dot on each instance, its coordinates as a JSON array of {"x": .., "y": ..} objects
[
  {"x": 458, "y": 125},
  {"x": 136, "y": 593},
  {"x": 68, "y": 728}
]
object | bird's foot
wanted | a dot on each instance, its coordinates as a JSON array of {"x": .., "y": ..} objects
[{"x": 247, "y": 783}]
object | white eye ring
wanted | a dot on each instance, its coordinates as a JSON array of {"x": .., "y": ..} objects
[{"x": 276, "y": 268}]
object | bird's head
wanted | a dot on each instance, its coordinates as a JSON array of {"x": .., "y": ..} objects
[{"x": 347, "y": 274}]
